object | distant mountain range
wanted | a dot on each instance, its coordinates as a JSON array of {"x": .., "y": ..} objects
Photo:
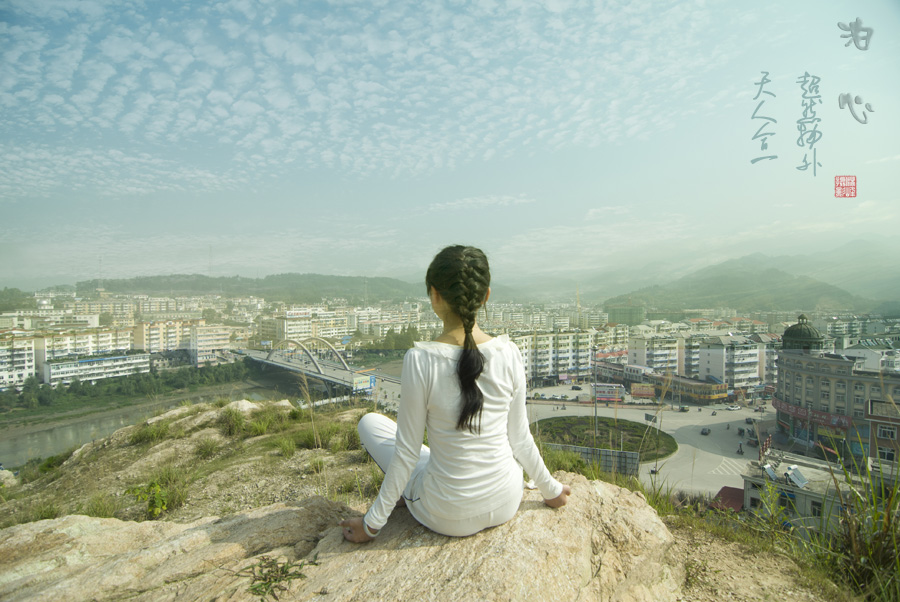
[
  {"x": 861, "y": 276},
  {"x": 290, "y": 288}
]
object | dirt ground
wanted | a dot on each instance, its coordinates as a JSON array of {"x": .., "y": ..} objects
[{"x": 717, "y": 570}]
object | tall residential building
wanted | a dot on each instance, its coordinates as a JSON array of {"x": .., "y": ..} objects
[
  {"x": 733, "y": 360},
  {"x": 207, "y": 343},
  {"x": 17, "y": 361},
  {"x": 659, "y": 352},
  {"x": 80, "y": 342},
  {"x": 167, "y": 335},
  {"x": 556, "y": 356}
]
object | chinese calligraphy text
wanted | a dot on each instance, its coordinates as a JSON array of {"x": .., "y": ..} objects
[
  {"x": 808, "y": 124},
  {"x": 763, "y": 132}
]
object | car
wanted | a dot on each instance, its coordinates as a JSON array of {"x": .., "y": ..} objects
[
  {"x": 576, "y": 388},
  {"x": 733, "y": 407},
  {"x": 748, "y": 420},
  {"x": 684, "y": 409},
  {"x": 704, "y": 431}
]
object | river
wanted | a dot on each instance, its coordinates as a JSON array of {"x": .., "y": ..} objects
[{"x": 19, "y": 444}]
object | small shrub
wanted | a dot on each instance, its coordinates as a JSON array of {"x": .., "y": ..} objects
[
  {"x": 167, "y": 490},
  {"x": 260, "y": 426},
  {"x": 306, "y": 438},
  {"x": 269, "y": 576},
  {"x": 563, "y": 460},
  {"x": 286, "y": 446},
  {"x": 298, "y": 415},
  {"x": 221, "y": 402},
  {"x": 149, "y": 433},
  {"x": 232, "y": 422},
  {"x": 206, "y": 448},
  {"x": 43, "y": 510},
  {"x": 317, "y": 465},
  {"x": 337, "y": 443},
  {"x": 102, "y": 505},
  {"x": 347, "y": 484}
]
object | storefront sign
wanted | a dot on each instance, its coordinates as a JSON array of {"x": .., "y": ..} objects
[{"x": 823, "y": 418}]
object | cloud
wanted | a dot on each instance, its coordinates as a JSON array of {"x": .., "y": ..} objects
[
  {"x": 481, "y": 202},
  {"x": 885, "y": 159}
]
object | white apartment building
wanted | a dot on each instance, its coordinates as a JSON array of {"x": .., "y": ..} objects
[
  {"x": 286, "y": 328},
  {"x": 207, "y": 343},
  {"x": 733, "y": 360},
  {"x": 659, "y": 352},
  {"x": 556, "y": 355},
  {"x": 94, "y": 368},
  {"x": 17, "y": 361},
  {"x": 83, "y": 342},
  {"x": 164, "y": 335}
]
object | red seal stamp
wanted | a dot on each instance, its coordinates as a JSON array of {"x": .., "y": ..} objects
[{"x": 844, "y": 186}]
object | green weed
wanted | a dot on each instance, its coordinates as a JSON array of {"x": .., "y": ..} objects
[
  {"x": 286, "y": 446},
  {"x": 149, "y": 433},
  {"x": 232, "y": 422},
  {"x": 102, "y": 505},
  {"x": 269, "y": 576},
  {"x": 206, "y": 448}
]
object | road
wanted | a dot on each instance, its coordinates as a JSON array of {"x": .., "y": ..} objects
[{"x": 702, "y": 464}]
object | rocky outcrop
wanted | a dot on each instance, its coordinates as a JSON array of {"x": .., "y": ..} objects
[{"x": 606, "y": 544}]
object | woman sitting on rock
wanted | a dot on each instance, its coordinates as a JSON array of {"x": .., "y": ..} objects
[{"x": 468, "y": 389}]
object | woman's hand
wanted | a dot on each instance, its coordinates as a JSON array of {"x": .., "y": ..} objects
[
  {"x": 560, "y": 500},
  {"x": 352, "y": 528}
]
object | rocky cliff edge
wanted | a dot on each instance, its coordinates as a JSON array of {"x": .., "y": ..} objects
[{"x": 606, "y": 544}]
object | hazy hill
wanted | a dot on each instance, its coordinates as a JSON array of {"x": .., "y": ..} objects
[
  {"x": 746, "y": 284},
  {"x": 295, "y": 288},
  {"x": 866, "y": 267}
]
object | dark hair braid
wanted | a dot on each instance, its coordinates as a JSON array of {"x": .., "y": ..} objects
[{"x": 462, "y": 276}]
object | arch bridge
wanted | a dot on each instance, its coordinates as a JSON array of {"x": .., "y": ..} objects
[{"x": 284, "y": 343}]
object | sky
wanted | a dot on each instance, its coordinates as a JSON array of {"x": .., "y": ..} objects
[{"x": 360, "y": 137}]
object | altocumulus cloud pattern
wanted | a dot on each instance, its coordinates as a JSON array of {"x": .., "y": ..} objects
[{"x": 122, "y": 97}]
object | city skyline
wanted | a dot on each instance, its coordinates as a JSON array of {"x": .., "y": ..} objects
[{"x": 251, "y": 138}]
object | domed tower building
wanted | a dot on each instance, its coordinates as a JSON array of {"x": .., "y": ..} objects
[{"x": 804, "y": 338}]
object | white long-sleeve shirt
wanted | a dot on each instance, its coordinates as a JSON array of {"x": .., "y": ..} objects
[{"x": 467, "y": 474}]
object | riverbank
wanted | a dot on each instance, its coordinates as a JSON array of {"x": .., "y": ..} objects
[{"x": 55, "y": 433}]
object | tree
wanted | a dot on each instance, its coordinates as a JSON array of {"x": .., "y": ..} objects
[{"x": 106, "y": 319}]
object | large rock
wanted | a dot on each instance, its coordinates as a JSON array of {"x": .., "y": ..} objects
[{"x": 606, "y": 544}]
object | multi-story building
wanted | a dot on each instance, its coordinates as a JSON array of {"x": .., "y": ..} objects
[
  {"x": 733, "y": 360},
  {"x": 769, "y": 346},
  {"x": 688, "y": 354},
  {"x": 659, "y": 352},
  {"x": 822, "y": 397},
  {"x": 207, "y": 343},
  {"x": 556, "y": 356},
  {"x": 804, "y": 489},
  {"x": 80, "y": 342},
  {"x": 286, "y": 328},
  {"x": 168, "y": 335},
  {"x": 17, "y": 361},
  {"x": 884, "y": 435},
  {"x": 94, "y": 368}
]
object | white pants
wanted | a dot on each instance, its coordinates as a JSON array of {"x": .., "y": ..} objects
[{"x": 378, "y": 435}]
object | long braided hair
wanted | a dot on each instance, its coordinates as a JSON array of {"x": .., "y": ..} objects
[{"x": 462, "y": 276}]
